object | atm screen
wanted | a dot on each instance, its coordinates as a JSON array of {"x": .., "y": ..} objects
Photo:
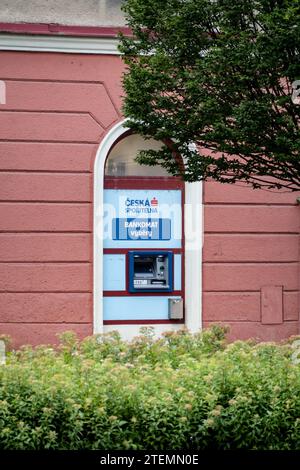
[{"x": 143, "y": 267}]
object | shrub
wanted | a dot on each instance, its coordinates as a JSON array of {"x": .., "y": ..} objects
[{"x": 181, "y": 391}]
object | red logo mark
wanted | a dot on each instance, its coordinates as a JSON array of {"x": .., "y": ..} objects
[{"x": 154, "y": 202}]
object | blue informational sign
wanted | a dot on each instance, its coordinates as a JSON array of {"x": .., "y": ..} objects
[
  {"x": 142, "y": 218},
  {"x": 141, "y": 229}
]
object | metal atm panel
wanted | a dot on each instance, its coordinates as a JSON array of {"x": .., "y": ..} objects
[{"x": 150, "y": 271}]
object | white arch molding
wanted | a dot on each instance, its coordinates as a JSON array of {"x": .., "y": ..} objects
[{"x": 193, "y": 249}]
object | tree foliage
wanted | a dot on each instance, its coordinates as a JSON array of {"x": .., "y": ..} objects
[{"x": 220, "y": 75}]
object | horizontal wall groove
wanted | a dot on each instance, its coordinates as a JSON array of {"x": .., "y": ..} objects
[
  {"x": 49, "y": 80},
  {"x": 249, "y": 263},
  {"x": 44, "y": 141},
  {"x": 250, "y": 204},
  {"x": 45, "y": 231},
  {"x": 55, "y": 111},
  {"x": 266, "y": 325},
  {"x": 44, "y": 323},
  {"x": 287, "y": 320},
  {"x": 47, "y": 172},
  {"x": 246, "y": 234},
  {"x": 47, "y": 262},
  {"x": 218, "y": 232},
  {"x": 55, "y": 234},
  {"x": 44, "y": 202},
  {"x": 46, "y": 292},
  {"x": 44, "y": 111},
  {"x": 52, "y": 142},
  {"x": 296, "y": 291},
  {"x": 41, "y": 201},
  {"x": 53, "y": 262}
]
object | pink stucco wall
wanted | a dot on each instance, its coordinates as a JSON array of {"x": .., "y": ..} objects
[
  {"x": 59, "y": 106},
  {"x": 251, "y": 261}
]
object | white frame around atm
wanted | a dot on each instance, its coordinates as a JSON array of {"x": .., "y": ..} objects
[{"x": 193, "y": 249}]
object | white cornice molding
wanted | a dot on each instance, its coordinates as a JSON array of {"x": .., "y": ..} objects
[{"x": 65, "y": 44}]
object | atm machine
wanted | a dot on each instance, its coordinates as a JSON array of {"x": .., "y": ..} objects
[{"x": 150, "y": 271}]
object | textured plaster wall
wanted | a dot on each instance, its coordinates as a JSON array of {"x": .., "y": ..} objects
[
  {"x": 251, "y": 261},
  {"x": 58, "y": 108},
  {"x": 68, "y": 12}
]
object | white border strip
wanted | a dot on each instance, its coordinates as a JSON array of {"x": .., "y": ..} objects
[
  {"x": 65, "y": 44},
  {"x": 99, "y": 166},
  {"x": 193, "y": 224}
]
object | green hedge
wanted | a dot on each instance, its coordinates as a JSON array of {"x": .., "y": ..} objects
[{"x": 179, "y": 392}]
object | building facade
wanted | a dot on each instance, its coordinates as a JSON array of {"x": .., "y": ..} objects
[{"x": 66, "y": 156}]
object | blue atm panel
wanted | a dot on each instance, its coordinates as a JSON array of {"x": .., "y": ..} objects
[
  {"x": 136, "y": 308},
  {"x": 114, "y": 267},
  {"x": 143, "y": 268},
  {"x": 177, "y": 272}
]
